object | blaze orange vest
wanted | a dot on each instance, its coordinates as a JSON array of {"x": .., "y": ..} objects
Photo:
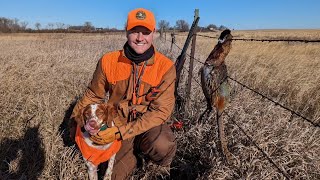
[{"x": 96, "y": 156}]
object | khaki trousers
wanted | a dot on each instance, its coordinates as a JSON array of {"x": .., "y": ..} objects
[{"x": 157, "y": 144}]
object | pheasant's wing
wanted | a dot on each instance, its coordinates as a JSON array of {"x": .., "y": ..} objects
[
  {"x": 223, "y": 80},
  {"x": 214, "y": 89},
  {"x": 221, "y": 94},
  {"x": 208, "y": 82}
]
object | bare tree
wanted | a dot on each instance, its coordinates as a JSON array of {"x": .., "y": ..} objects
[
  {"x": 14, "y": 25},
  {"x": 60, "y": 25},
  {"x": 125, "y": 26},
  {"x": 50, "y": 25},
  {"x": 9, "y": 25},
  {"x": 38, "y": 26},
  {"x": 212, "y": 27},
  {"x": 182, "y": 25},
  {"x": 163, "y": 24},
  {"x": 222, "y": 27},
  {"x": 23, "y": 25},
  {"x": 88, "y": 26},
  {"x": 4, "y": 24}
]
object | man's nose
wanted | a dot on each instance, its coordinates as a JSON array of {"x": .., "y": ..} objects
[{"x": 140, "y": 36}]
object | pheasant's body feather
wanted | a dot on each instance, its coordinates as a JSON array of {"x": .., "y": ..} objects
[{"x": 215, "y": 85}]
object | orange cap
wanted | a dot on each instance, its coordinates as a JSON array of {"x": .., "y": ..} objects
[{"x": 141, "y": 17}]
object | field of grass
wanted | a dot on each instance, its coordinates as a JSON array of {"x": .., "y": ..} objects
[{"x": 41, "y": 75}]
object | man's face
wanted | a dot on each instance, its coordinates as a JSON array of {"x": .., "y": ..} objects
[{"x": 140, "y": 39}]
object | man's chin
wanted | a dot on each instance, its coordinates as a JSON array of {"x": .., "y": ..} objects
[{"x": 139, "y": 51}]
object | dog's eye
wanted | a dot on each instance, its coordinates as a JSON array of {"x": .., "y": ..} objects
[
  {"x": 99, "y": 113},
  {"x": 86, "y": 114}
]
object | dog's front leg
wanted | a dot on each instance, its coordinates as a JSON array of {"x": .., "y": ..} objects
[
  {"x": 109, "y": 170},
  {"x": 92, "y": 170}
]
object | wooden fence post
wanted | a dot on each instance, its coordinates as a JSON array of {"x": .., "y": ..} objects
[
  {"x": 173, "y": 40},
  {"x": 180, "y": 101},
  {"x": 161, "y": 33},
  {"x": 165, "y": 35},
  {"x": 193, "y": 49}
]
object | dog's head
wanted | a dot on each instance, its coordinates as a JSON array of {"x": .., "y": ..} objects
[{"x": 93, "y": 116}]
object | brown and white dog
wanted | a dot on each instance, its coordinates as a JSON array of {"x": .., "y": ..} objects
[{"x": 93, "y": 118}]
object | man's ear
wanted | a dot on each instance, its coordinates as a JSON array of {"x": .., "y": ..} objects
[
  {"x": 127, "y": 33},
  {"x": 154, "y": 33}
]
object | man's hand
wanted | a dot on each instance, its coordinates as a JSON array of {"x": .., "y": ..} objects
[{"x": 107, "y": 136}]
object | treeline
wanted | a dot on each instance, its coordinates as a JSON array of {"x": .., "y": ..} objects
[
  {"x": 14, "y": 25},
  {"x": 183, "y": 26}
]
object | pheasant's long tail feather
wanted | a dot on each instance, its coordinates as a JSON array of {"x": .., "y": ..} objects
[
  {"x": 220, "y": 103},
  {"x": 223, "y": 139}
]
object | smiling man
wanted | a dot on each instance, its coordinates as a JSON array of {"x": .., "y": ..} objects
[{"x": 140, "y": 82}]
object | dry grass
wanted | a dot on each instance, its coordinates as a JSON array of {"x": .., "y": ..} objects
[{"x": 42, "y": 74}]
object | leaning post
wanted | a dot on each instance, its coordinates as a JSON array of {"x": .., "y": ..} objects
[
  {"x": 193, "y": 49},
  {"x": 180, "y": 101}
]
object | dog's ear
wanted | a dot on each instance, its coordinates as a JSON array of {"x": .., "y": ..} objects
[{"x": 80, "y": 117}]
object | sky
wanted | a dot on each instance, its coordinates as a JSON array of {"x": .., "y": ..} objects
[{"x": 234, "y": 14}]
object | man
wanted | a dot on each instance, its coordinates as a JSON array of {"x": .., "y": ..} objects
[{"x": 140, "y": 82}]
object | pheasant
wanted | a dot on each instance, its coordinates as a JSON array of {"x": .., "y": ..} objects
[{"x": 215, "y": 85}]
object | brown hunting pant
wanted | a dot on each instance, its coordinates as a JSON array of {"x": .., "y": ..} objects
[{"x": 157, "y": 144}]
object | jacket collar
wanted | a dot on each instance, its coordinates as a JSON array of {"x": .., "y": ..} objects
[{"x": 149, "y": 61}]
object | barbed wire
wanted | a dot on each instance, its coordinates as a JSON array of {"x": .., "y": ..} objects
[
  {"x": 277, "y": 40},
  {"x": 213, "y": 37},
  {"x": 193, "y": 77},
  {"x": 266, "y": 40},
  {"x": 182, "y": 34},
  {"x": 186, "y": 53},
  {"x": 282, "y": 171},
  {"x": 269, "y": 99},
  {"x": 276, "y": 103},
  {"x": 189, "y": 54},
  {"x": 190, "y": 57}
]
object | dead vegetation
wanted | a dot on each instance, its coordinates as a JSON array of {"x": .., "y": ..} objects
[{"x": 42, "y": 75}]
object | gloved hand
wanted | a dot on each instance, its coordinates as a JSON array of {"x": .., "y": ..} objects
[{"x": 106, "y": 136}]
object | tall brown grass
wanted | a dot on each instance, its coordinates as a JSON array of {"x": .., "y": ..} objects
[{"x": 41, "y": 75}]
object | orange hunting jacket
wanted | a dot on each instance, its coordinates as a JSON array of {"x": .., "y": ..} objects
[{"x": 114, "y": 74}]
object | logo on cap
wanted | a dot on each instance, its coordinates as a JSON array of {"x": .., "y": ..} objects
[{"x": 141, "y": 15}]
